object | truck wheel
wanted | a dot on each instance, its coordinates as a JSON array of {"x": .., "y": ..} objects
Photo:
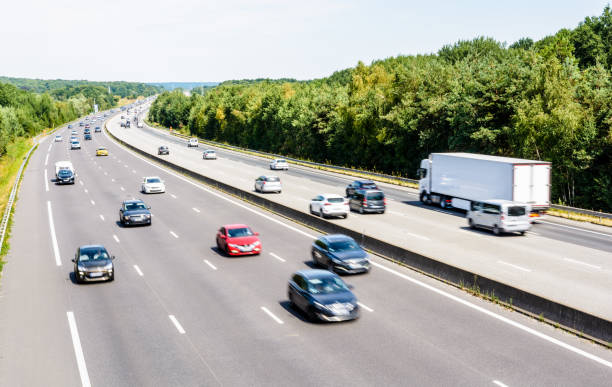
[
  {"x": 422, "y": 197},
  {"x": 443, "y": 202},
  {"x": 428, "y": 200},
  {"x": 496, "y": 230}
]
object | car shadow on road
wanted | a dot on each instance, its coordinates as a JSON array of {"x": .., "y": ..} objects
[
  {"x": 484, "y": 232},
  {"x": 285, "y": 304},
  {"x": 312, "y": 265},
  {"x": 450, "y": 211}
]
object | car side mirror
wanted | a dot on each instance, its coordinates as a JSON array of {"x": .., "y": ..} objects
[
  {"x": 351, "y": 287},
  {"x": 73, "y": 260},
  {"x": 223, "y": 236},
  {"x": 148, "y": 207},
  {"x": 113, "y": 257},
  {"x": 256, "y": 234}
]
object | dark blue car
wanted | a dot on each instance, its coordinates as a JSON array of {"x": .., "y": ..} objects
[
  {"x": 322, "y": 295},
  {"x": 340, "y": 253}
]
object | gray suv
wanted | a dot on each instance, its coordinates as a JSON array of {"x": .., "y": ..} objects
[{"x": 368, "y": 200}]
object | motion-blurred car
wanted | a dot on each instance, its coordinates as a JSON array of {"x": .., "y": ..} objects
[
  {"x": 268, "y": 184},
  {"x": 101, "y": 151},
  {"x": 341, "y": 253},
  {"x": 134, "y": 212},
  {"x": 152, "y": 184},
  {"x": 93, "y": 263},
  {"x": 58, "y": 138},
  {"x": 359, "y": 184},
  {"x": 238, "y": 239},
  {"x": 75, "y": 144},
  {"x": 163, "y": 150},
  {"x": 279, "y": 164},
  {"x": 322, "y": 295},
  {"x": 209, "y": 154},
  {"x": 326, "y": 205}
]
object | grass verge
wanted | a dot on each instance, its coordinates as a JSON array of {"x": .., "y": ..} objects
[
  {"x": 580, "y": 217},
  {"x": 9, "y": 166}
]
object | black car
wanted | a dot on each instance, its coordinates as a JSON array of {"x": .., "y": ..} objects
[
  {"x": 134, "y": 212},
  {"x": 93, "y": 263},
  {"x": 64, "y": 176},
  {"x": 322, "y": 295},
  {"x": 368, "y": 201},
  {"x": 87, "y": 136},
  {"x": 163, "y": 150},
  {"x": 359, "y": 184},
  {"x": 341, "y": 253},
  {"x": 97, "y": 129}
]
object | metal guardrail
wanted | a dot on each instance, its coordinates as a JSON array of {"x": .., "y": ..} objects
[
  {"x": 9, "y": 204},
  {"x": 598, "y": 214}
]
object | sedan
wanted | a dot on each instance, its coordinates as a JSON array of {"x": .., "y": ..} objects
[
  {"x": 340, "y": 253},
  {"x": 93, "y": 263},
  {"x": 268, "y": 184},
  {"x": 329, "y": 205},
  {"x": 152, "y": 184},
  {"x": 209, "y": 154},
  {"x": 58, "y": 138},
  {"x": 163, "y": 150},
  {"x": 101, "y": 151},
  {"x": 279, "y": 164},
  {"x": 322, "y": 295},
  {"x": 238, "y": 239},
  {"x": 359, "y": 184},
  {"x": 75, "y": 144},
  {"x": 134, "y": 212}
]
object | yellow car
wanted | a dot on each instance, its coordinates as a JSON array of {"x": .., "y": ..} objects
[{"x": 101, "y": 151}]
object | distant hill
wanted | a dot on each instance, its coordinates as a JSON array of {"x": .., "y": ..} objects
[{"x": 183, "y": 85}]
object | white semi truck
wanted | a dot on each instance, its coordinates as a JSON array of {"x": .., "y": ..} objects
[{"x": 458, "y": 179}]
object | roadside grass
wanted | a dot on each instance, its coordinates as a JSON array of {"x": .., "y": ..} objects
[
  {"x": 125, "y": 101},
  {"x": 580, "y": 217},
  {"x": 9, "y": 165}
]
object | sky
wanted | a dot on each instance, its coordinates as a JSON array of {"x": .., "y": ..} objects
[{"x": 202, "y": 40}]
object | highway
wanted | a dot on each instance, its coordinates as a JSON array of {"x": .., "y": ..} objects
[
  {"x": 564, "y": 261},
  {"x": 180, "y": 313}
]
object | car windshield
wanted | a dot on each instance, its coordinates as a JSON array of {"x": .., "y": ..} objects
[
  {"x": 239, "y": 232},
  {"x": 135, "y": 206},
  {"x": 335, "y": 200},
  {"x": 64, "y": 172},
  {"x": 281, "y": 161},
  {"x": 272, "y": 178},
  {"x": 326, "y": 285},
  {"x": 368, "y": 184},
  {"x": 153, "y": 180},
  {"x": 376, "y": 196},
  {"x": 516, "y": 211},
  {"x": 101, "y": 149},
  {"x": 345, "y": 245},
  {"x": 93, "y": 254}
]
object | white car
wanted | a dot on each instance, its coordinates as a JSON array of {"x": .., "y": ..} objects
[
  {"x": 58, "y": 138},
  {"x": 153, "y": 184},
  {"x": 268, "y": 184},
  {"x": 75, "y": 145},
  {"x": 192, "y": 142},
  {"x": 326, "y": 205},
  {"x": 74, "y": 133},
  {"x": 279, "y": 164},
  {"x": 209, "y": 154}
]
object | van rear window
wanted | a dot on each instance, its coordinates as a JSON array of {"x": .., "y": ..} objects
[
  {"x": 376, "y": 196},
  {"x": 335, "y": 200},
  {"x": 516, "y": 211}
]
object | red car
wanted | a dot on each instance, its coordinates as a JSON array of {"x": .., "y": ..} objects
[{"x": 238, "y": 239}]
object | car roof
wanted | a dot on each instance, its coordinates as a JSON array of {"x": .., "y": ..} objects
[
  {"x": 336, "y": 237},
  {"x": 132, "y": 201},
  {"x": 92, "y": 247},
  {"x": 331, "y": 195},
  {"x": 315, "y": 273},
  {"x": 235, "y": 225},
  {"x": 365, "y": 181},
  {"x": 152, "y": 177},
  {"x": 369, "y": 190}
]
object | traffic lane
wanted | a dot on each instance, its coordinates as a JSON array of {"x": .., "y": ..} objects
[
  {"x": 570, "y": 233},
  {"x": 125, "y": 330},
  {"x": 33, "y": 303},
  {"x": 251, "y": 271}
]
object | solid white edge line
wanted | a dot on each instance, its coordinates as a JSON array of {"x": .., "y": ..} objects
[
  {"x": 278, "y": 320},
  {"x": 173, "y": 234},
  {"x": 515, "y": 266},
  {"x": 277, "y": 257},
  {"x": 46, "y": 181},
  {"x": 138, "y": 270},
  {"x": 440, "y": 292},
  {"x": 497, "y": 316},
  {"x": 575, "y": 228},
  {"x": 78, "y": 350},
  {"x": 58, "y": 260},
  {"x": 178, "y": 326},
  {"x": 195, "y": 209},
  {"x": 115, "y": 238},
  {"x": 210, "y": 264},
  {"x": 365, "y": 307},
  {"x": 500, "y": 384}
]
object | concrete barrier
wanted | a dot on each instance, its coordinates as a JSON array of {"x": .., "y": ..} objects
[{"x": 570, "y": 319}]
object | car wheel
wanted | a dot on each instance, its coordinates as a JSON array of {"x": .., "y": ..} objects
[
  {"x": 345, "y": 216},
  {"x": 428, "y": 200},
  {"x": 77, "y": 279},
  {"x": 522, "y": 232},
  {"x": 321, "y": 214},
  {"x": 291, "y": 302},
  {"x": 471, "y": 223},
  {"x": 330, "y": 266},
  {"x": 314, "y": 258},
  {"x": 361, "y": 210},
  {"x": 310, "y": 209},
  {"x": 496, "y": 230},
  {"x": 111, "y": 278},
  {"x": 347, "y": 193},
  {"x": 381, "y": 212},
  {"x": 443, "y": 202}
]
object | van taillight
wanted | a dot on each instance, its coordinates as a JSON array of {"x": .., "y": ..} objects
[
  {"x": 385, "y": 201},
  {"x": 365, "y": 202}
]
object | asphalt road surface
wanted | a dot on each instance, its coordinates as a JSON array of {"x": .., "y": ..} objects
[{"x": 181, "y": 314}]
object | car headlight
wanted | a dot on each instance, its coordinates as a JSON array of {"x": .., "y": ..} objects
[
  {"x": 256, "y": 243},
  {"x": 319, "y": 305},
  {"x": 126, "y": 217},
  {"x": 81, "y": 268},
  {"x": 232, "y": 245},
  {"x": 147, "y": 216},
  {"x": 108, "y": 266}
]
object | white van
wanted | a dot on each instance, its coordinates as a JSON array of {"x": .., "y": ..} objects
[{"x": 500, "y": 216}]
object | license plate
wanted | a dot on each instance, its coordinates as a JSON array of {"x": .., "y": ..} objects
[{"x": 96, "y": 275}]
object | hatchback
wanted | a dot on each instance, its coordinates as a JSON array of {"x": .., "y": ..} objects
[
  {"x": 368, "y": 201},
  {"x": 322, "y": 295},
  {"x": 134, "y": 212},
  {"x": 93, "y": 263},
  {"x": 268, "y": 184},
  {"x": 209, "y": 154},
  {"x": 329, "y": 205},
  {"x": 238, "y": 239},
  {"x": 163, "y": 150},
  {"x": 339, "y": 252},
  {"x": 359, "y": 184}
]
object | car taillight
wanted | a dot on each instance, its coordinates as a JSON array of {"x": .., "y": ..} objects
[
  {"x": 327, "y": 204},
  {"x": 503, "y": 217},
  {"x": 385, "y": 201},
  {"x": 365, "y": 202}
]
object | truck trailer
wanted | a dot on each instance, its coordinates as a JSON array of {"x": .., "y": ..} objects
[{"x": 458, "y": 179}]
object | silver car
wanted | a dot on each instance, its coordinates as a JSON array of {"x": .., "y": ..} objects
[
  {"x": 279, "y": 164},
  {"x": 268, "y": 184}
]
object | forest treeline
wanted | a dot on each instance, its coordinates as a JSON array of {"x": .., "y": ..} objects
[{"x": 546, "y": 100}]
